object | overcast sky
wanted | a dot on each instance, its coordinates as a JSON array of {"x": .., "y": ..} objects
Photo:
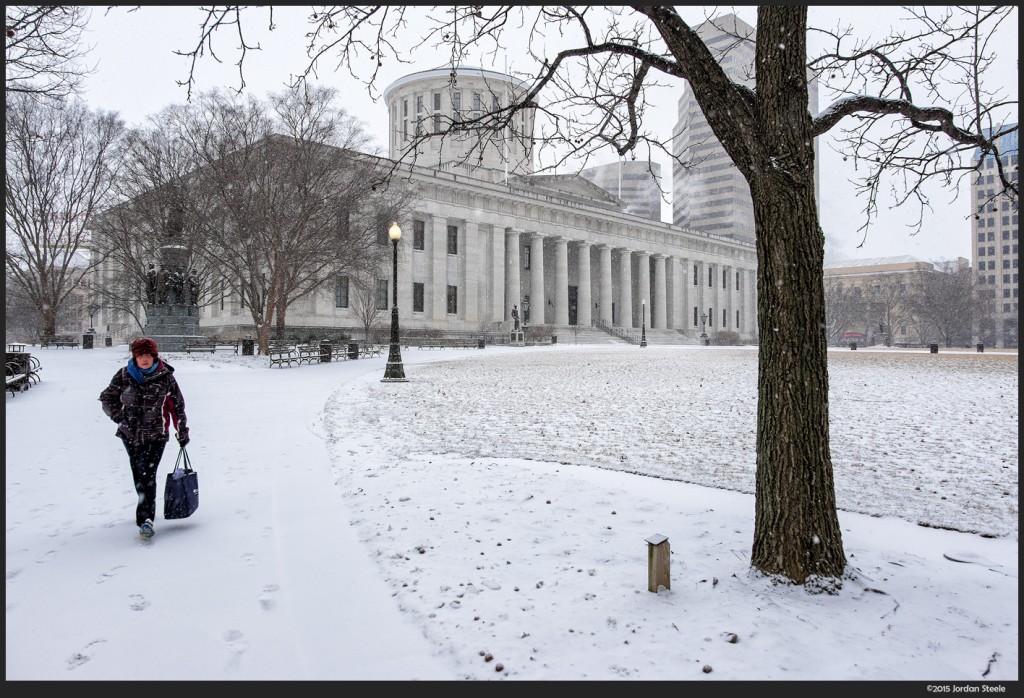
[{"x": 138, "y": 74}]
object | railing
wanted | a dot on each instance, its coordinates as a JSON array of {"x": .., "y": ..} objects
[{"x": 631, "y": 336}]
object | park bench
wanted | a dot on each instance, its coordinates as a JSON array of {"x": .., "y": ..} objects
[
  {"x": 211, "y": 345},
  {"x": 21, "y": 374},
  {"x": 282, "y": 353},
  {"x": 58, "y": 342}
]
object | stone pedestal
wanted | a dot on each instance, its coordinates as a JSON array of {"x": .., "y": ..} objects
[
  {"x": 518, "y": 338},
  {"x": 172, "y": 324},
  {"x": 173, "y": 319}
]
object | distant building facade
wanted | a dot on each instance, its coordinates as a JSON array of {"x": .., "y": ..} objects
[
  {"x": 878, "y": 306},
  {"x": 486, "y": 235},
  {"x": 994, "y": 246},
  {"x": 711, "y": 194}
]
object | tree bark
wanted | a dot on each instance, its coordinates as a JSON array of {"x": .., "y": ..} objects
[{"x": 796, "y": 527}]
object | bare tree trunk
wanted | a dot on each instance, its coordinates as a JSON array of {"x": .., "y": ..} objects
[{"x": 796, "y": 527}]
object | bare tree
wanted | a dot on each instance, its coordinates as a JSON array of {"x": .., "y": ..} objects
[
  {"x": 280, "y": 199},
  {"x": 61, "y": 162},
  {"x": 946, "y": 302},
  {"x": 915, "y": 103},
  {"x": 152, "y": 190},
  {"x": 890, "y": 306},
  {"x": 44, "y": 51},
  {"x": 843, "y": 307},
  {"x": 365, "y": 303}
]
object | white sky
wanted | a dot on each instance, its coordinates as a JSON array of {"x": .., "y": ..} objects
[
  {"x": 138, "y": 72},
  {"x": 493, "y": 512}
]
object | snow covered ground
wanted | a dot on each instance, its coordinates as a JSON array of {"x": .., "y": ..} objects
[{"x": 488, "y": 520}]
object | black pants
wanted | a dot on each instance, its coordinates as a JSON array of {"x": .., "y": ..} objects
[{"x": 144, "y": 458}]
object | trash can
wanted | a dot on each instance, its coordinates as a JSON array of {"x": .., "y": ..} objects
[
  {"x": 87, "y": 341},
  {"x": 108, "y": 342},
  {"x": 853, "y": 345},
  {"x": 248, "y": 347},
  {"x": 353, "y": 350},
  {"x": 325, "y": 353},
  {"x": 480, "y": 343},
  {"x": 934, "y": 348},
  {"x": 981, "y": 348},
  {"x": 554, "y": 339}
]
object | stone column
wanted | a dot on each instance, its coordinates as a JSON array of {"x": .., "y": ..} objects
[
  {"x": 625, "y": 304},
  {"x": 659, "y": 304},
  {"x": 513, "y": 292},
  {"x": 496, "y": 282},
  {"x": 605, "y": 285},
  {"x": 643, "y": 285},
  {"x": 469, "y": 274},
  {"x": 435, "y": 305},
  {"x": 537, "y": 301},
  {"x": 561, "y": 299},
  {"x": 584, "y": 299}
]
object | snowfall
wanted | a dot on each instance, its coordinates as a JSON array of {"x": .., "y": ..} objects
[{"x": 491, "y": 519}]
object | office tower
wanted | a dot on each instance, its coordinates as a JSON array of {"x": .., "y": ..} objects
[
  {"x": 712, "y": 195},
  {"x": 636, "y": 182},
  {"x": 994, "y": 235}
]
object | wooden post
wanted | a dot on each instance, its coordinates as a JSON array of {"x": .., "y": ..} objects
[{"x": 657, "y": 563}]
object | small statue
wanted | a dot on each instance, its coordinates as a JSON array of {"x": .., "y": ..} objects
[
  {"x": 515, "y": 316},
  {"x": 151, "y": 294}
]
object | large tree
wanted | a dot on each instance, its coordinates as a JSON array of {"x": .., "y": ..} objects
[
  {"x": 44, "y": 53},
  {"x": 911, "y": 104},
  {"x": 62, "y": 159}
]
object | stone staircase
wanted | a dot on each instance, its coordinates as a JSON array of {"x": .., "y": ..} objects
[{"x": 572, "y": 334}]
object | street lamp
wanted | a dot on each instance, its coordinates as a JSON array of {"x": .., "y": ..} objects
[
  {"x": 643, "y": 324},
  {"x": 394, "y": 372},
  {"x": 703, "y": 322}
]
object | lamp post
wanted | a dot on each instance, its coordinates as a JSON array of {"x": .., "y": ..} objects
[
  {"x": 643, "y": 324},
  {"x": 703, "y": 322},
  {"x": 394, "y": 372}
]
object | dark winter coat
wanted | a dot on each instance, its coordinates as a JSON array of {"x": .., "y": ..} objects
[{"x": 143, "y": 410}]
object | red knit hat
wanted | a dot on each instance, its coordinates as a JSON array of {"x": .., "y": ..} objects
[{"x": 144, "y": 345}]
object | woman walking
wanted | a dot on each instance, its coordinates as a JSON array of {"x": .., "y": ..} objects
[{"x": 143, "y": 398}]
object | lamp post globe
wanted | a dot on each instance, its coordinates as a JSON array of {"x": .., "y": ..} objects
[
  {"x": 394, "y": 372},
  {"x": 643, "y": 324}
]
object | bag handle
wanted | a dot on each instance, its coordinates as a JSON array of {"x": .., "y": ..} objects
[{"x": 183, "y": 459}]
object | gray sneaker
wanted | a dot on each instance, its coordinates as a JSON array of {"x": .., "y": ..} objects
[{"x": 146, "y": 529}]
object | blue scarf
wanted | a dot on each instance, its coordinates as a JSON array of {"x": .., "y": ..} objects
[{"x": 137, "y": 373}]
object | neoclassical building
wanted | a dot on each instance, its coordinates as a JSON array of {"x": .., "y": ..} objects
[{"x": 487, "y": 235}]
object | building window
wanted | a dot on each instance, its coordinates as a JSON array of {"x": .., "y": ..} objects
[
  {"x": 417, "y": 297},
  {"x": 981, "y": 251},
  {"x": 476, "y": 102},
  {"x": 526, "y": 256},
  {"x": 694, "y": 316},
  {"x": 341, "y": 291},
  {"x": 981, "y": 237},
  {"x": 453, "y": 300},
  {"x": 991, "y": 237},
  {"x": 737, "y": 281},
  {"x": 992, "y": 264},
  {"x": 382, "y": 233},
  {"x": 725, "y": 318},
  {"x": 711, "y": 317},
  {"x": 382, "y": 294},
  {"x": 1006, "y": 249},
  {"x": 418, "y": 234},
  {"x": 725, "y": 282},
  {"x": 711, "y": 277},
  {"x": 695, "y": 281},
  {"x": 737, "y": 319},
  {"x": 453, "y": 239},
  {"x": 456, "y": 106}
]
